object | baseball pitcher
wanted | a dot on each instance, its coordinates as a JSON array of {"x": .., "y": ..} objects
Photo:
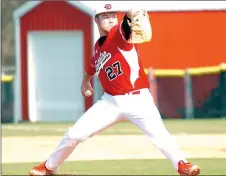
[{"x": 126, "y": 91}]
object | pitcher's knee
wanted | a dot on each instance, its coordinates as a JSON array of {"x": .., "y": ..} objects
[
  {"x": 76, "y": 136},
  {"x": 69, "y": 141}
]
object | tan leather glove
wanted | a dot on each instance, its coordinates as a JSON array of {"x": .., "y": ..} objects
[{"x": 139, "y": 22}]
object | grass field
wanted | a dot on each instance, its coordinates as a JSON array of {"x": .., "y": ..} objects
[
  {"x": 210, "y": 137},
  {"x": 122, "y": 167},
  {"x": 210, "y": 126}
]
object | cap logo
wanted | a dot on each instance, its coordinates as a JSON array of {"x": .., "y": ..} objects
[{"x": 108, "y": 6}]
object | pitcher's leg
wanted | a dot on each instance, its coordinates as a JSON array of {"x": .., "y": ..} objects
[
  {"x": 148, "y": 119},
  {"x": 97, "y": 118}
]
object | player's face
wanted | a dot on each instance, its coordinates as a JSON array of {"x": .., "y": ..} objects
[{"x": 106, "y": 21}]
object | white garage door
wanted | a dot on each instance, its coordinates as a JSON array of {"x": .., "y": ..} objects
[{"x": 55, "y": 71}]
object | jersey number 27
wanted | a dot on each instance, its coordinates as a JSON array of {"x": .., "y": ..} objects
[{"x": 110, "y": 70}]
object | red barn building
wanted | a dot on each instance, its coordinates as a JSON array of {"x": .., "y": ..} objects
[{"x": 53, "y": 42}]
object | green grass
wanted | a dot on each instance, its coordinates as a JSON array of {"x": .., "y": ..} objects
[
  {"x": 204, "y": 126},
  {"x": 122, "y": 167},
  {"x": 211, "y": 166}
]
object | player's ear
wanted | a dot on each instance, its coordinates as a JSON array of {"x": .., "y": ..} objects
[{"x": 96, "y": 19}]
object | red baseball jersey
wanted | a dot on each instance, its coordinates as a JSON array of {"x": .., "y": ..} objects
[{"x": 117, "y": 64}]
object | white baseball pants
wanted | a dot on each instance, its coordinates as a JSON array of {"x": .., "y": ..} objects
[{"x": 140, "y": 109}]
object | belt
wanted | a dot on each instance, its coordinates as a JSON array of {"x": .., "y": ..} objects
[{"x": 133, "y": 93}]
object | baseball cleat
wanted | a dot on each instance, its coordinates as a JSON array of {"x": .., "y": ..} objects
[
  {"x": 40, "y": 170},
  {"x": 188, "y": 169}
]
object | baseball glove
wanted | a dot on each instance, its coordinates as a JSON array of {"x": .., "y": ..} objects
[{"x": 139, "y": 22}]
